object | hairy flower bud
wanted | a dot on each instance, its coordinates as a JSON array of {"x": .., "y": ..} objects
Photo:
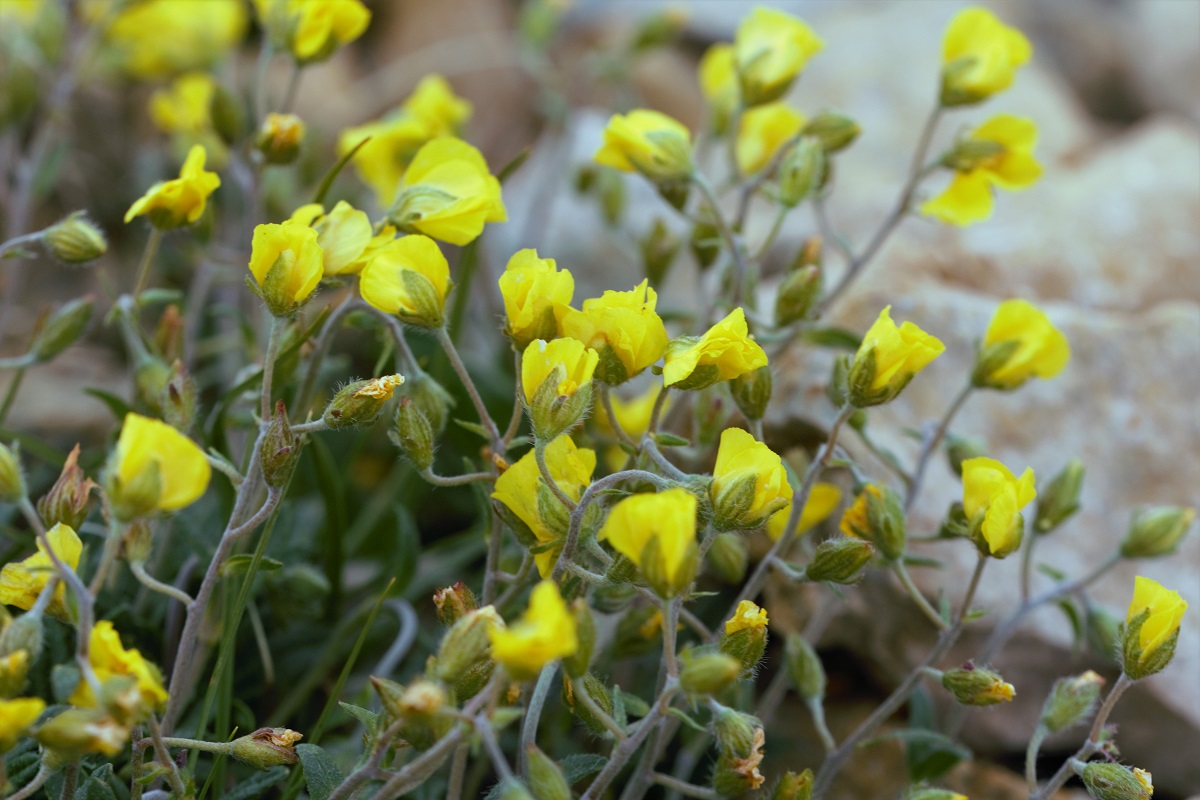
[
  {"x": 877, "y": 515},
  {"x": 839, "y": 560},
  {"x": 1059, "y": 500},
  {"x": 977, "y": 686},
  {"x": 78, "y": 731},
  {"x": 546, "y": 778},
  {"x": 75, "y": 240},
  {"x": 740, "y": 739},
  {"x": 267, "y": 747},
  {"x": 805, "y": 668},
  {"x": 178, "y": 400},
  {"x": 280, "y": 449},
  {"x": 280, "y": 138},
  {"x": 430, "y": 398},
  {"x": 708, "y": 673},
  {"x": 12, "y": 477},
  {"x": 798, "y": 294},
  {"x": 68, "y": 499},
  {"x": 576, "y": 664},
  {"x": 1071, "y": 701},
  {"x": 1107, "y": 781},
  {"x": 454, "y": 602},
  {"x": 62, "y": 329},
  {"x": 359, "y": 404},
  {"x": 597, "y": 693},
  {"x": 1156, "y": 532},
  {"x": 746, "y": 635},
  {"x": 413, "y": 434},
  {"x": 466, "y": 646},
  {"x": 834, "y": 131},
  {"x": 727, "y": 558},
  {"x": 801, "y": 172},
  {"x": 752, "y": 391}
]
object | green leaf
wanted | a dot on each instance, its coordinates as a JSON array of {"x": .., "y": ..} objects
[
  {"x": 1078, "y": 629},
  {"x": 367, "y": 717},
  {"x": 116, "y": 405},
  {"x": 670, "y": 440},
  {"x": 838, "y": 338},
  {"x": 95, "y": 787},
  {"x": 512, "y": 166},
  {"x": 578, "y": 766},
  {"x": 636, "y": 705},
  {"x": 151, "y": 297},
  {"x": 321, "y": 774},
  {"x": 928, "y": 753},
  {"x": 256, "y": 785},
  {"x": 1054, "y": 573},
  {"x": 473, "y": 427},
  {"x": 618, "y": 700},
  {"x": 237, "y": 565},
  {"x": 63, "y": 680},
  {"x": 503, "y": 717},
  {"x": 691, "y": 723},
  {"x": 923, "y": 561}
]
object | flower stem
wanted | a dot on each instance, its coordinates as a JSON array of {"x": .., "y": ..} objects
[
  {"x": 926, "y": 609},
  {"x": 1091, "y": 745},
  {"x": 138, "y": 568},
  {"x": 143, "y": 273},
  {"x": 460, "y": 369},
  {"x": 930, "y": 444}
]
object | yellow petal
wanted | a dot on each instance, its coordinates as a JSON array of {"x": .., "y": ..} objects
[{"x": 967, "y": 200}]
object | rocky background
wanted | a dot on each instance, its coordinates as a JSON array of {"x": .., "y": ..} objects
[{"x": 1108, "y": 243}]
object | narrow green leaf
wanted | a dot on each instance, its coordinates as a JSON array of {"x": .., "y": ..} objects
[
  {"x": 582, "y": 765},
  {"x": 256, "y": 785},
  {"x": 321, "y": 774},
  {"x": 327, "y": 181}
]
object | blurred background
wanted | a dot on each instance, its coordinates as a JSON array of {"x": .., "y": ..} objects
[{"x": 1108, "y": 242}]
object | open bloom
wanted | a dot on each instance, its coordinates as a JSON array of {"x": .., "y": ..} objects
[
  {"x": 888, "y": 358},
  {"x": 1155, "y": 644},
  {"x": 648, "y": 142},
  {"x": 313, "y": 29},
  {"x": 823, "y": 498},
  {"x": 21, "y": 582},
  {"x": 724, "y": 352},
  {"x": 154, "y": 468},
  {"x": 541, "y": 360},
  {"x": 432, "y": 110},
  {"x": 15, "y": 718},
  {"x": 747, "y": 617},
  {"x": 545, "y": 633},
  {"x": 999, "y": 153},
  {"x": 344, "y": 235},
  {"x": 992, "y": 501},
  {"x": 287, "y": 262},
  {"x": 771, "y": 49},
  {"x": 186, "y": 105},
  {"x": 980, "y": 56},
  {"x": 518, "y": 488},
  {"x": 657, "y": 532},
  {"x": 719, "y": 83},
  {"x": 534, "y": 291},
  {"x": 623, "y": 328},
  {"x": 448, "y": 193},
  {"x": 749, "y": 481},
  {"x": 408, "y": 277},
  {"x": 170, "y": 204},
  {"x": 1020, "y": 343},
  {"x": 762, "y": 132},
  {"x": 109, "y": 659}
]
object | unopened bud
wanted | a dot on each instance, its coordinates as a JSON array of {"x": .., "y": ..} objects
[
  {"x": 14, "y": 667},
  {"x": 877, "y": 515},
  {"x": 359, "y": 404},
  {"x": 977, "y": 686},
  {"x": 576, "y": 664},
  {"x": 546, "y": 778},
  {"x": 466, "y": 645},
  {"x": 801, "y": 171},
  {"x": 734, "y": 730},
  {"x": 659, "y": 247},
  {"x": 413, "y": 434},
  {"x": 708, "y": 673},
  {"x": 512, "y": 789},
  {"x": 226, "y": 114},
  {"x": 68, "y": 499},
  {"x": 267, "y": 747},
  {"x": 79, "y": 731},
  {"x": 839, "y": 560},
  {"x": 1059, "y": 499},
  {"x": 705, "y": 244},
  {"x": 805, "y": 668},
  {"x": 1071, "y": 701},
  {"x": 178, "y": 400},
  {"x": 454, "y": 602},
  {"x": 1157, "y": 532},
  {"x": 75, "y": 240},
  {"x": 597, "y": 693},
  {"x": 834, "y": 131},
  {"x": 727, "y": 558},
  {"x": 1107, "y": 781},
  {"x": 12, "y": 477},
  {"x": 959, "y": 449},
  {"x": 746, "y": 635},
  {"x": 740, "y": 739},
  {"x": 62, "y": 329},
  {"x": 794, "y": 786},
  {"x": 23, "y": 635},
  {"x": 150, "y": 377},
  {"x": 798, "y": 294},
  {"x": 280, "y": 137},
  {"x": 431, "y": 398},
  {"x": 752, "y": 391},
  {"x": 279, "y": 450}
]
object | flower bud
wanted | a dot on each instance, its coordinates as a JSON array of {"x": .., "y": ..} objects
[
  {"x": 960, "y": 449},
  {"x": 454, "y": 602},
  {"x": 705, "y": 244},
  {"x": 752, "y": 391},
  {"x": 1157, "y": 531},
  {"x": 746, "y": 635},
  {"x": 734, "y": 730},
  {"x": 576, "y": 664},
  {"x": 178, "y": 401},
  {"x": 1059, "y": 500},
  {"x": 68, "y": 499},
  {"x": 839, "y": 560},
  {"x": 280, "y": 137},
  {"x": 62, "y": 329},
  {"x": 1071, "y": 701},
  {"x": 12, "y": 477},
  {"x": 1107, "y": 781},
  {"x": 75, "y": 240},
  {"x": 419, "y": 705},
  {"x": 801, "y": 171},
  {"x": 597, "y": 693},
  {"x": 466, "y": 645},
  {"x": 413, "y": 434},
  {"x": 976, "y": 686},
  {"x": 708, "y": 673},
  {"x": 78, "y": 731},
  {"x": 267, "y": 747},
  {"x": 546, "y": 778},
  {"x": 150, "y": 376},
  {"x": 798, "y": 294},
  {"x": 14, "y": 666},
  {"x": 431, "y": 399},
  {"x": 877, "y": 515},
  {"x": 805, "y": 668},
  {"x": 279, "y": 450},
  {"x": 727, "y": 558},
  {"x": 225, "y": 111},
  {"x": 794, "y": 786},
  {"x": 740, "y": 739},
  {"x": 659, "y": 247},
  {"x": 359, "y": 404},
  {"x": 512, "y": 789},
  {"x": 834, "y": 131}
]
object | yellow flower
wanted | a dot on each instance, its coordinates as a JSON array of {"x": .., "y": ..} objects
[
  {"x": 186, "y": 105},
  {"x": 517, "y": 488},
  {"x": 408, "y": 277},
  {"x": 533, "y": 291},
  {"x": 279, "y": 137},
  {"x": 992, "y": 501},
  {"x": 156, "y": 38},
  {"x": 542, "y": 358},
  {"x": 888, "y": 358},
  {"x": 762, "y": 132},
  {"x": 22, "y": 582},
  {"x": 747, "y": 617},
  {"x": 648, "y": 142},
  {"x": 1145, "y": 779},
  {"x": 313, "y": 29},
  {"x": 657, "y": 532},
  {"x": 1164, "y": 609},
  {"x": 822, "y": 500},
  {"x": 545, "y": 633},
  {"x": 154, "y": 468},
  {"x": 771, "y": 49},
  {"x": 623, "y": 328},
  {"x": 1020, "y": 343},
  {"x": 343, "y": 234},
  {"x": 432, "y": 110},
  {"x": 448, "y": 193},
  {"x": 719, "y": 83},
  {"x": 980, "y": 56},
  {"x": 723, "y": 353},
  {"x": 749, "y": 482},
  {"x": 381, "y": 388},
  {"x": 287, "y": 263},
  {"x": 15, "y": 717},
  {"x": 633, "y": 415},
  {"x": 170, "y": 204},
  {"x": 110, "y": 660},
  {"x": 999, "y": 153}
]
